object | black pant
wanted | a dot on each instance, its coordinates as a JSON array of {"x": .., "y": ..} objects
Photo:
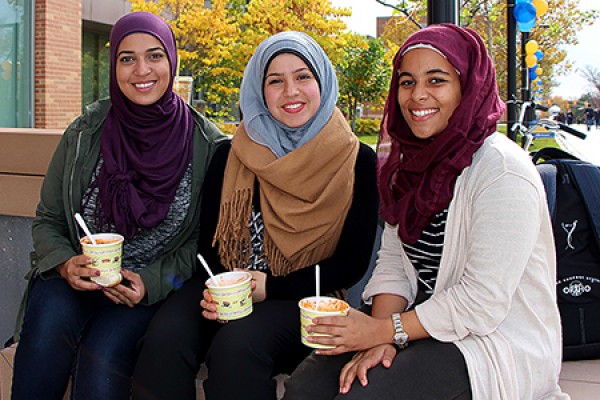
[
  {"x": 425, "y": 370},
  {"x": 242, "y": 356}
]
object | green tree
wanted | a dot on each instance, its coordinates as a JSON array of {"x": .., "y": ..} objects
[{"x": 364, "y": 77}]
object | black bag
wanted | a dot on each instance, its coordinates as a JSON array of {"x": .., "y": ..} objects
[{"x": 573, "y": 192}]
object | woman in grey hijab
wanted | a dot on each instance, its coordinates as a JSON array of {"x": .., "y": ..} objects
[
  {"x": 299, "y": 190},
  {"x": 260, "y": 124}
]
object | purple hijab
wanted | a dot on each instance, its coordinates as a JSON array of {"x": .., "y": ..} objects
[
  {"x": 416, "y": 177},
  {"x": 146, "y": 149}
]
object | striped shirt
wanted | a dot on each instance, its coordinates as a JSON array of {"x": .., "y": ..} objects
[{"x": 425, "y": 255}]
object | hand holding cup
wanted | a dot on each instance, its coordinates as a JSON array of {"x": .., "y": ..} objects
[
  {"x": 229, "y": 295},
  {"x": 106, "y": 257},
  {"x": 322, "y": 306}
]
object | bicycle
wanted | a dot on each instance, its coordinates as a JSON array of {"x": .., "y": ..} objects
[{"x": 549, "y": 124}]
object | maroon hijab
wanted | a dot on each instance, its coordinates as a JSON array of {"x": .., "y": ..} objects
[
  {"x": 417, "y": 177},
  {"x": 146, "y": 149}
]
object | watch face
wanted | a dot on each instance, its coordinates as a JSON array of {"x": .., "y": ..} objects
[{"x": 400, "y": 338}]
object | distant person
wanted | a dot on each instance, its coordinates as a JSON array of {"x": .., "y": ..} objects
[
  {"x": 561, "y": 117},
  {"x": 597, "y": 116},
  {"x": 463, "y": 296},
  {"x": 553, "y": 111},
  {"x": 590, "y": 119},
  {"x": 570, "y": 117},
  {"x": 133, "y": 164}
]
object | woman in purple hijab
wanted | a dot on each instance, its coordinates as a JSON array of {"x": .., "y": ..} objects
[
  {"x": 142, "y": 164},
  {"x": 462, "y": 300}
]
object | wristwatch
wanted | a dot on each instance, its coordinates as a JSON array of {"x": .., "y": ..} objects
[{"x": 400, "y": 336}]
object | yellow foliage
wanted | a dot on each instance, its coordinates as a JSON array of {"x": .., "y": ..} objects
[{"x": 216, "y": 43}]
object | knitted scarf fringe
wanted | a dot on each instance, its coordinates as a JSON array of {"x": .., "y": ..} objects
[{"x": 232, "y": 231}]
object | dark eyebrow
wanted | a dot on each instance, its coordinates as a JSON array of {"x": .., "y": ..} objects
[
  {"x": 150, "y": 50},
  {"x": 438, "y": 71},
  {"x": 293, "y": 72},
  {"x": 431, "y": 71},
  {"x": 157, "y": 48}
]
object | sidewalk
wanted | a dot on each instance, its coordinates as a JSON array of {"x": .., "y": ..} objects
[
  {"x": 581, "y": 379},
  {"x": 587, "y": 149}
]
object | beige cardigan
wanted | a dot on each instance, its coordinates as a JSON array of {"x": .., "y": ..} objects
[{"x": 495, "y": 293}]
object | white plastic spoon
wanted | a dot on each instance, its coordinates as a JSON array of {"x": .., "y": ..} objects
[
  {"x": 206, "y": 267},
  {"x": 83, "y": 226},
  {"x": 318, "y": 284}
]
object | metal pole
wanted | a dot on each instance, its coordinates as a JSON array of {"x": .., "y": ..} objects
[
  {"x": 441, "y": 11},
  {"x": 511, "y": 67},
  {"x": 525, "y": 89}
]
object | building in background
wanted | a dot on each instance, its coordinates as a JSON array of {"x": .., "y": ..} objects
[{"x": 53, "y": 59}]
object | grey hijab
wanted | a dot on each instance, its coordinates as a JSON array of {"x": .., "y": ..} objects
[{"x": 260, "y": 125}]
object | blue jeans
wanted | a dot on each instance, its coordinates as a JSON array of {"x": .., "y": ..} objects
[{"x": 83, "y": 335}]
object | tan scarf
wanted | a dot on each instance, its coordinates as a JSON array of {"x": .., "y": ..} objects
[{"x": 304, "y": 197}]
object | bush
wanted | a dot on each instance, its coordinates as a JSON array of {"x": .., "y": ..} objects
[
  {"x": 367, "y": 127},
  {"x": 227, "y": 128}
]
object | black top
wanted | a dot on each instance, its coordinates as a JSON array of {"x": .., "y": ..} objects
[{"x": 353, "y": 253}]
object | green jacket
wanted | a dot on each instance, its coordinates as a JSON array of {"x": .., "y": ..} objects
[{"x": 55, "y": 232}]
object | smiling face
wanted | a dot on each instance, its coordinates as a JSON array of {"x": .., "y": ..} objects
[
  {"x": 291, "y": 90},
  {"x": 428, "y": 91},
  {"x": 142, "y": 68}
]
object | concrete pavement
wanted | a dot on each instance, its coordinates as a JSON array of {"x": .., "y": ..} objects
[{"x": 587, "y": 149}]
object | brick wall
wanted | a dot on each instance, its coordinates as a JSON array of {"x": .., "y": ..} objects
[{"x": 57, "y": 62}]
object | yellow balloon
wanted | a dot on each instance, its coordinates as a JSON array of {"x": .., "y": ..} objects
[
  {"x": 539, "y": 71},
  {"x": 530, "y": 60},
  {"x": 531, "y": 47},
  {"x": 541, "y": 6}
]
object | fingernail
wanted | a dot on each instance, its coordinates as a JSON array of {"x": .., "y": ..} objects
[{"x": 97, "y": 273}]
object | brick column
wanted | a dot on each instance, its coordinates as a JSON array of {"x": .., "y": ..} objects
[{"x": 57, "y": 62}]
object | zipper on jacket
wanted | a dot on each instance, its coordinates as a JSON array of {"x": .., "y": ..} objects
[{"x": 72, "y": 177}]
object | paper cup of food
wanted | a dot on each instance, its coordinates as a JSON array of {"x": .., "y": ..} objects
[
  {"x": 233, "y": 294},
  {"x": 309, "y": 309},
  {"x": 106, "y": 257}
]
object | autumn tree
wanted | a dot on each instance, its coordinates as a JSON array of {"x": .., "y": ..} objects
[
  {"x": 216, "y": 42},
  {"x": 554, "y": 30},
  {"x": 364, "y": 76}
]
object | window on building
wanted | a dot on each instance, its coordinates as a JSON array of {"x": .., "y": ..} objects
[
  {"x": 94, "y": 66},
  {"x": 16, "y": 53}
]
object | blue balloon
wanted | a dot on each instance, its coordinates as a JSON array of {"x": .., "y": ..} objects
[
  {"x": 524, "y": 12},
  {"x": 526, "y": 27},
  {"x": 539, "y": 55},
  {"x": 533, "y": 75},
  {"x": 522, "y": 1}
]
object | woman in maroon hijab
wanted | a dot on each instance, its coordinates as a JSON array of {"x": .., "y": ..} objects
[
  {"x": 463, "y": 295},
  {"x": 134, "y": 164}
]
